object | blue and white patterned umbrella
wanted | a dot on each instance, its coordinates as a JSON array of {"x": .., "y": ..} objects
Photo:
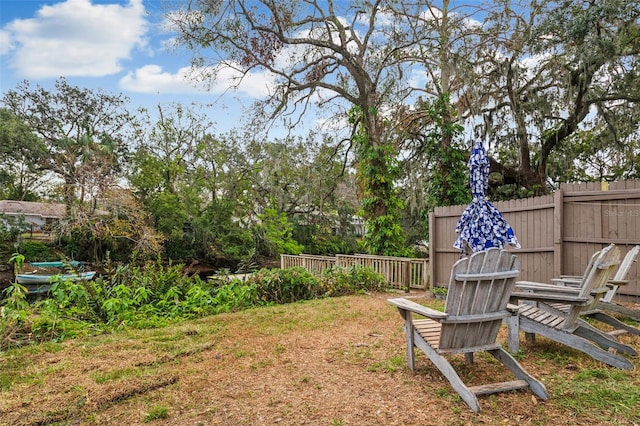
[{"x": 481, "y": 225}]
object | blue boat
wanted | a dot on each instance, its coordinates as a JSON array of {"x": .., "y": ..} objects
[
  {"x": 37, "y": 284},
  {"x": 46, "y": 279},
  {"x": 56, "y": 264}
]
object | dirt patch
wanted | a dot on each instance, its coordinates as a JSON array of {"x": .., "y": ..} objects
[
  {"x": 328, "y": 362},
  {"x": 6, "y": 276}
]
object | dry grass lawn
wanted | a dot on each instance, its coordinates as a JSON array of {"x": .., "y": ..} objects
[{"x": 326, "y": 362}]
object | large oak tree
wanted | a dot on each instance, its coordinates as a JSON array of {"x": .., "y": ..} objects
[
  {"x": 345, "y": 57},
  {"x": 553, "y": 78}
]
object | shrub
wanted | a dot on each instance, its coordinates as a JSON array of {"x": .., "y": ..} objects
[
  {"x": 296, "y": 283},
  {"x": 274, "y": 235},
  {"x": 235, "y": 295},
  {"x": 284, "y": 285},
  {"x": 14, "y": 324},
  {"x": 11, "y": 227},
  {"x": 341, "y": 281},
  {"x": 34, "y": 250}
]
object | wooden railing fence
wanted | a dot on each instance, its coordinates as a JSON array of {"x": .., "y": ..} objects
[{"x": 399, "y": 272}]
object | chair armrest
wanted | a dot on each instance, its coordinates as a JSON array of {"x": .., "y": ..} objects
[
  {"x": 550, "y": 297},
  {"x": 547, "y": 288},
  {"x": 513, "y": 308},
  {"x": 571, "y": 281},
  {"x": 407, "y": 305}
]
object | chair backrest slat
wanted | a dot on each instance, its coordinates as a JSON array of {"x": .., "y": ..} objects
[
  {"x": 479, "y": 285},
  {"x": 601, "y": 270},
  {"x": 622, "y": 272},
  {"x": 594, "y": 282}
]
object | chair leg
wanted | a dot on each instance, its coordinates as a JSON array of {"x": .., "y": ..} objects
[
  {"x": 513, "y": 332},
  {"x": 468, "y": 357},
  {"x": 408, "y": 332},
  {"x": 617, "y": 324},
  {"x": 634, "y": 314},
  {"x": 576, "y": 342},
  {"x": 448, "y": 371},
  {"x": 602, "y": 339},
  {"x": 510, "y": 362}
]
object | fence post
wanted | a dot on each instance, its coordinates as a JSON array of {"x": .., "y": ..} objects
[
  {"x": 432, "y": 248},
  {"x": 407, "y": 275},
  {"x": 558, "y": 201}
]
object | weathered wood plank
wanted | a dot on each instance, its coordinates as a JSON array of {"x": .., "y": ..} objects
[{"x": 499, "y": 387}]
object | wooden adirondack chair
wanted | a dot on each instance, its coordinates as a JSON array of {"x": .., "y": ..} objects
[
  {"x": 476, "y": 303},
  {"x": 598, "y": 312},
  {"x": 567, "y": 328},
  {"x": 606, "y": 303}
]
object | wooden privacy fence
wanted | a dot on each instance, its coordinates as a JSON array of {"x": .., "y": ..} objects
[
  {"x": 558, "y": 232},
  {"x": 398, "y": 272}
]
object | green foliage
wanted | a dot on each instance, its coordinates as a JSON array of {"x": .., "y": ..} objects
[
  {"x": 440, "y": 290},
  {"x": 150, "y": 294},
  {"x": 448, "y": 180},
  {"x": 154, "y": 295},
  {"x": 14, "y": 325},
  {"x": 295, "y": 284},
  {"x": 318, "y": 239},
  {"x": 589, "y": 156},
  {"x": 381, "y": 206},
  {"x": 18, "y": 260},
  {"x": 11, "y": 227},
  {"x": 340, "y": 281},
  {"x": 285, "y": 285},
  {"x": 157, "y": 412},
  {"x": 20, "y": 152},
  {"x": 35, "y": 250},
  {"x": 169, "y": 213},
  {"x": 81, "y": 135},
  {"x": 235, "y": 295},
  {"x": 218, "y": 237},
  {"x": 274, "y": 234},
  {"x": 600, "y": 390}
]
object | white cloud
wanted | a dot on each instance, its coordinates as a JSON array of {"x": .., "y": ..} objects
[
  {"x": 6, "y": 42},
  {"x": 152, "y": 79},
  {"x": 75, "y": 38},
  {"x": 532, "y": 63}
]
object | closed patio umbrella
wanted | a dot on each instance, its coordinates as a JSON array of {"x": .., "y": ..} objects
[{"x": 481, "y": 225}]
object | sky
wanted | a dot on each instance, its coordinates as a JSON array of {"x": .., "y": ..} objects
[{"x": 118, "y": 46}]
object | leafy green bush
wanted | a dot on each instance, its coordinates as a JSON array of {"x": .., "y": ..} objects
[
  {"x": 274, "y": 235},
  {"x": 11, "y": 227},
  {"x": 14, "y": 324},
  {"x": 296, "y": 283},
  {"x": 150, "y": 294},
  {"x": 35, "y": 250},
  {"x": 328, "y": 244},
  {"x": 284, "y": 285},
  {"x": 341, "y": 281},
  {"x": 235, "y": 295}
]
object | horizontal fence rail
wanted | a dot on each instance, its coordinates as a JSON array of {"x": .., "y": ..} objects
[{"x": 398, "y": 272}]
